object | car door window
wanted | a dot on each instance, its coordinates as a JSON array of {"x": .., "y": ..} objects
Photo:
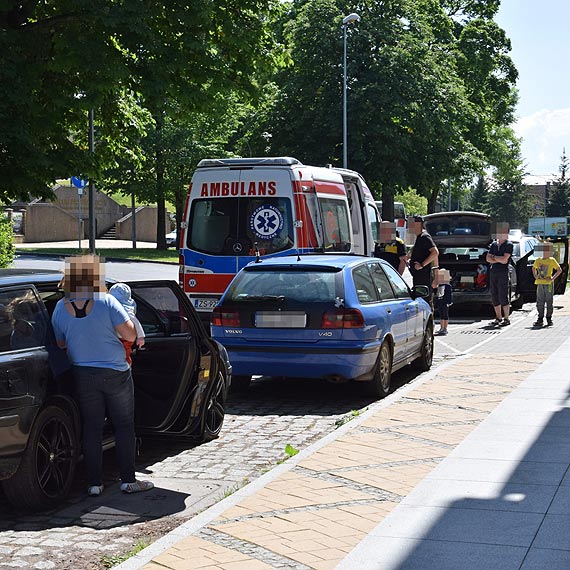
[
  {"x": 365, "y": 287},
  {"x": 381, "y": 282},
  {"x": 400, "y": 287},
  {"x": 23, "y": 322},
  {"x": 160, "y": 312}
]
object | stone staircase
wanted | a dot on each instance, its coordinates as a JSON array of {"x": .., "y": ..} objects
[{"x": 111, "y": 233}]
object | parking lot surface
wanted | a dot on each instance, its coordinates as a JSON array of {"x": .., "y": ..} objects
[{"x": 87, "y": 533}]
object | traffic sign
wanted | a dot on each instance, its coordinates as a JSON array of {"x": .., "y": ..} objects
[{"x": 78, "y": 182}]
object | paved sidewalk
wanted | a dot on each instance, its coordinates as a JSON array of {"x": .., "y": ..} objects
[{"x": 464, "y": 468}]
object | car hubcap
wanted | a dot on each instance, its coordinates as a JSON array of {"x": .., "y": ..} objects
[
  {"x": 216, "y": 410},
  {"x": 385, "y": 367},
  {"x": 428, "y": 346},
  {"x": 54, "y": 457}
]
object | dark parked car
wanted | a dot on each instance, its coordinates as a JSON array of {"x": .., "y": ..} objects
[
  {"x": 463, "y": 239},
  {"x": 337, "y": 317},
  {"x": 181, "y": 379}
]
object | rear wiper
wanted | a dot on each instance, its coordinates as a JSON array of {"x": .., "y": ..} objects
[{"x": 246, "y": 297}]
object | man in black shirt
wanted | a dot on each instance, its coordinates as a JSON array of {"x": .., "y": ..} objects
[
  {"x": 498, "y": 259},
  {"x": 424, "y": 253}
]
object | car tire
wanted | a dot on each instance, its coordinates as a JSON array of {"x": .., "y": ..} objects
[
  {"x": 240, "y": 383},
  {"x": 47, "y": 468},
  {"x": 425, "y": 359},
  {"x": 215, "y": 410},
  {"x": 379, "y": 386}
]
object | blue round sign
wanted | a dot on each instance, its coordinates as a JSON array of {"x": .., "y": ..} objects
[
  {"x": 266, "y": 222},
  {"x": 78, "y": 182}
]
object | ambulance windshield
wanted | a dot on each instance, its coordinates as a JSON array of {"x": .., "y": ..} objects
[{"x": 232, "y": 226}]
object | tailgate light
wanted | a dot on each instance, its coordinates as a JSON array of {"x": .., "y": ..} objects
[
  {"x": 181, "y": 271},
  {"x": 343, "y": 319},
  {"x": 223, "y": 318}
]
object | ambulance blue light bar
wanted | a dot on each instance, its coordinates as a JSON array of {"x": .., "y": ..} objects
[{"x": 248, "y": 162}]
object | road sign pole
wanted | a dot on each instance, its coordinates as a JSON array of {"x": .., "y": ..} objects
[
  {"x": 79, "y": 192},
  {"x": 92, "y": 226}
]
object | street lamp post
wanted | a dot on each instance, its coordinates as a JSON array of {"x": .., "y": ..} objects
[{"x": 348, "y": 20}]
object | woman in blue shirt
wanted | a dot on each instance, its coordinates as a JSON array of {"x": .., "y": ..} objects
[{"x": 88, "y": 322}]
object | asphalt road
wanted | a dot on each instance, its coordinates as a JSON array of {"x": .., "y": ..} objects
[
  {"x": 119, "y": 270},
  {"x": 275, "y": 412}
]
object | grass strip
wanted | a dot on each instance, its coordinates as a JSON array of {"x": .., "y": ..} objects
[{"x": 143, "y": 254}]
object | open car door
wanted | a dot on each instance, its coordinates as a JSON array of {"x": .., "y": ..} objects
[
  {"x": 560, "y": 245},
  {"x": 179, "y": 387},
  {"x": 526, "y": 289}
]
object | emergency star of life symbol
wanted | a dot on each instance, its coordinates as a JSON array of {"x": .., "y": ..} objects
[{"x": 266, "y": 222}]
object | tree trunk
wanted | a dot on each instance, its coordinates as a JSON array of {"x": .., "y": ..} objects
[
  {"x": 432, "y": 200},
  {"x": 160, "y": 201},
  {"x": 387, "y": 203}
]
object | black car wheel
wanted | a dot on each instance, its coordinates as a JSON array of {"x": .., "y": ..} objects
[
  {"x": 47, "y": 468},
  {"x": 424, "y": 361},
  {"x": 240, "y": 383},
  {"x": 215, "y": 410},
  {"x": 379, "y": 386}
]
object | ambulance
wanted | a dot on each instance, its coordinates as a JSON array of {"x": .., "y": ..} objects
[{"x": 240, "y": 209}]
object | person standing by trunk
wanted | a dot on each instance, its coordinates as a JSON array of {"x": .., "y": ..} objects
[
  {"x": 498, "y": 258},
  {"x": 88, "y": 322},
  {"x": 424, "y": 255}
]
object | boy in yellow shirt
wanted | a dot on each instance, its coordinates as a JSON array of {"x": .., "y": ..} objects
[{"x": 545, "y": 270}]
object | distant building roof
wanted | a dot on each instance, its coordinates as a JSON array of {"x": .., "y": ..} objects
[{"x": 538, "y": 179}]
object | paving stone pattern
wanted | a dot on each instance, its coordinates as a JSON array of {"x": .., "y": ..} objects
[{"x": 312, "y": 516}]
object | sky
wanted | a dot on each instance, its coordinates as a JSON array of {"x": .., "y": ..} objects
[{"x": 538, "y": 30}]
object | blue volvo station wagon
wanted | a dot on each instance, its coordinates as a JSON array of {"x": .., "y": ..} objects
[{"x": 336, "y": 317}]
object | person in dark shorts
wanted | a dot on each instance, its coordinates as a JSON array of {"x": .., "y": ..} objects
[
  {"x": 424, "y": 256},
  {"x": 498, "y": 257},
  {"x": 391, "y": 248}
]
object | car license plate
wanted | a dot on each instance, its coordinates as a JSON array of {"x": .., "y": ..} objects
[
  {"x": 281, "y": 319},
  {"x": 205, "y": 303}
]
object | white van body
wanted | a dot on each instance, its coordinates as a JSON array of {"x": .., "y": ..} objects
[
  {"x": 240, "y": 207},
  {"x": 400, "y": 218}
]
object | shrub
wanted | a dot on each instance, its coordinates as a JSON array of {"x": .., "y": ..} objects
[{"x": 7, "y": 248}]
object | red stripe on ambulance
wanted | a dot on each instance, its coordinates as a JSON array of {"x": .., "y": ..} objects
[{"x": 207, "y": 282}]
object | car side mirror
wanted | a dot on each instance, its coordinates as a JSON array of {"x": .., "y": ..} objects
[{"x": 421, "y": 291}]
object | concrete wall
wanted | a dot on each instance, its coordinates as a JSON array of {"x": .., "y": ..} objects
[
  {"x": 146, "y": 224},
  {"x": 48, "y": 222},
  {"x": 107, "y": 211}
]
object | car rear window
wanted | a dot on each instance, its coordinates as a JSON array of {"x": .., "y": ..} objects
[
  {"x": 458, "y": 227},
  {"x": 301, "y": 286}
]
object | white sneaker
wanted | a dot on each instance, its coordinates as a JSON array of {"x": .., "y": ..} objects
[
  {"x": 136, "y": 486},
  {"x": 95, "y": 490}
]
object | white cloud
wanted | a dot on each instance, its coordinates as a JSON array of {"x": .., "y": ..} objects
[{"x": 544, "y": 133}]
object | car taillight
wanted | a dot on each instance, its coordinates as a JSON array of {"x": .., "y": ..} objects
[
  {"x": 181, "y": 271},
  {"x": 343, "y": 319},
  {"x": 223, "y": 318},
  {"x": 400, "y": 222}
]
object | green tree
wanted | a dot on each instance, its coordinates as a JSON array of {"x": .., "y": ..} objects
[
  {"x": 413, "y": 202},
  {"x": 427, "y": 92},
  {"x": 479, "y": 195},
  {"x": 559, "y": 200},
  {"x": 508, "y": 199},
  {"x": 58, "y": 59},
  {"x": 7, "y": 248}
]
